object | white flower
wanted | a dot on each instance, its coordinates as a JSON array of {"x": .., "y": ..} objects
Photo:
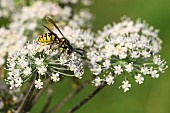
[
  {"x": 115, "y": 52},
  {"x": 157, "y": 60},
  {"x": 66, "y": 13},
  {"x": 96, "y": 69},
  {"x": 22, "y": 62},
  {"x": 76, "y": 65},
  {"x": 154, "y": 74},
  {"x": 145, "y": 70},
  {"x": 86, "y": 2},
  {"x": 78, "y": 72},
  {"x": 126, "y": 46},
  {"x": 118, "y": 69},
  {"x": 79, "y": 37},
  {"x": 55, "y": 77},
  {"x": 146, "y": 54},
  {"x": 38, "y": 84},
  {"x": 42, "y": 70},
  {"x": 135, "y": 54},
  {"x": 106, "y": 63},
  {"x": 69, "y": 1},
  {"x": 81, "y": 19},
  {"x": 97, "y": 81},
  {"x": 109, "y": 79},
  {"x": 30, "y": 47},
  {"x": 11, "y": 83},
  {"x": 18, "y": 82},
  {"x": 125, "y": 85},
  {"x": 8, "y": 44},
  {"x": 161, "y": 63},
  {"x": 63, "y": 59},
  {"x": 6, "y": 8},
  {"x": 139, "y": 79},
  {"x": 27, "y": 71},
  {"x": 122, "y": 55},
  {"x": 39, "y": 62},
  {"x": 16, "y": 73},
  {"x": 129, "y": 67}
]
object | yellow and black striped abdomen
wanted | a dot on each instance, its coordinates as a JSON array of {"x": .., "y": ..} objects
[{"x": 47, "y": 38}]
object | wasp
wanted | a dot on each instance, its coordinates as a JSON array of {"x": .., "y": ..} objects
[
  {"x": 52, "y": 38},
  {"x": 63, "y": 43}
]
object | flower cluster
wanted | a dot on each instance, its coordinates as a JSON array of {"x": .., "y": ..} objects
[
  {"x": 78, "y": 37},
  {"x": 24, "y": 24},
  {"x": 6, "y": 6},
  {"x": 8, "y": 42},
  {"x": 41, "y": 61},
  {"x": 22, "y": 21},
  {"x": 126, "y": 48},
  {"x": 127, "y": 26},
  {"x": 81, "y": 19},
  {"x": 26, "y": 19}
]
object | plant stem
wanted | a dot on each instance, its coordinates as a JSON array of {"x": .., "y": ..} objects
[
  {"x": 69, "y": 96},
  {"x": 27, "y": 97},
  {"x": 48, "y": 100},
  {"x": 36, "y": 96},
  {"x": 61, "y": 103},
  {"x": 86, "y": 99}
]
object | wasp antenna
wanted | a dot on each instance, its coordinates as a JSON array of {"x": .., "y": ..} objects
[
  {"x": 52, "y": 22},
  {"x": 52, "y": 32}
]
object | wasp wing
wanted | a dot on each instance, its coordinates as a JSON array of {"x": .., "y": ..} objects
[{"x": 52, "y": 22}]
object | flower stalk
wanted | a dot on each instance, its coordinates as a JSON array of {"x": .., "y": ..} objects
[
  {"x": 48, "y": 100},
  {"x": 36, "y": 96},
  {"x": 87, "y": 98},
  {"x": 62, "y": 102},
  {"x": 69, "y": 96},
  {"x": 27, "y": 97}
]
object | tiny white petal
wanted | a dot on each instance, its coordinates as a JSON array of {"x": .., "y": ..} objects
[
  {"x": 118, "y": 69},
  {"x": 38, "y": 84},
  {"x": 125, "y": 85},
  {"x": 139, "y": 79},
  {"x": 55, "y": 77}
]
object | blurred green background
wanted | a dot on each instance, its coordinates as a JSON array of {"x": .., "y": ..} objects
[{"x": 151, "y": 97}]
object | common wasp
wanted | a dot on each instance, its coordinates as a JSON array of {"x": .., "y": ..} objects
[{"x": 52, "y": 39}]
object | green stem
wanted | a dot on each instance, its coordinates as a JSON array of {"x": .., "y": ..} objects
[
  {"x": 69, "y": 96},
  {"x": 36, "y": 96},
  {"x": 60, "y": 104},
  {"x": 27, "y": 97},
  {"x": 86, "y": 99},
  {"x": 48, "y": 100}
]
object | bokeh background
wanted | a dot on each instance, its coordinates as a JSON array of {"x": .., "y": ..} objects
[{"x": 153, "y": 96}]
